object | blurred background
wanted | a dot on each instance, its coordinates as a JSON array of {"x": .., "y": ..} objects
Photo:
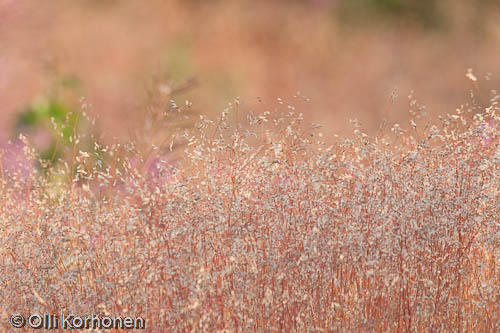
[{"x": 349, "y": 58}]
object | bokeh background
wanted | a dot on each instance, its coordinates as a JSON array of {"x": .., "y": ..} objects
[{"x": 351, "y": 58}]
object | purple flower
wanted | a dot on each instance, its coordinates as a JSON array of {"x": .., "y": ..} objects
[
  {"x": 15, "y": 164},
  {"x": 159, "y": 170},
  {"x": 487, "y": 133}
]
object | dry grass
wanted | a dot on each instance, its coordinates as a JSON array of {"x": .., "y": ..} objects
[
  {"x": 263, "y": 48},
  {"x": 266, "y": 229}
]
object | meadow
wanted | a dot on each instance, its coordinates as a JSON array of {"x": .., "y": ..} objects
[
  {"x": 329, "y": 198},
  {"x": 262, "y": 226}
]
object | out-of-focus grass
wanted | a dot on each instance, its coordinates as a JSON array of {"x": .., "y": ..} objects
[
  {"x": 264, "y": 228},
  {"x": 347, "y": 55}
]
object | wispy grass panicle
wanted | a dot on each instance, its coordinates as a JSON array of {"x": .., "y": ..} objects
[{"x": 262, "y": 226}]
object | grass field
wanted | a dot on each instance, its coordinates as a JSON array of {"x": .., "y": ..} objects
[
  {"x": 262, "y": 227},
  {"x": 125, "y": 192}
]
